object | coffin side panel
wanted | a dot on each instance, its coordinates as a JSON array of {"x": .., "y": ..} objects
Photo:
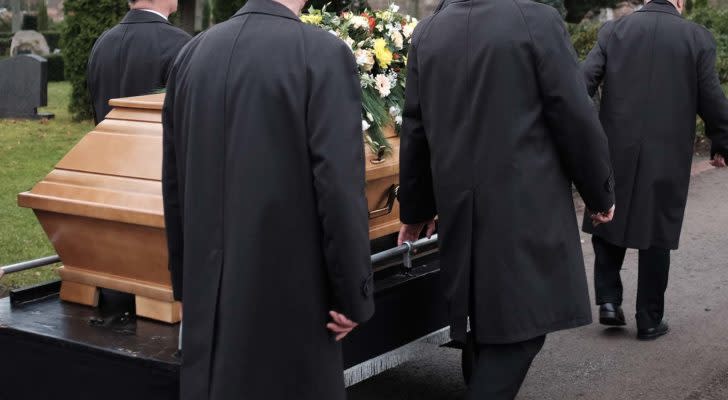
[{"x": 125, "y": 250}]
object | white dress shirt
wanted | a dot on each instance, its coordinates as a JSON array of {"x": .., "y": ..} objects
[{"x": 154, "y": 12}]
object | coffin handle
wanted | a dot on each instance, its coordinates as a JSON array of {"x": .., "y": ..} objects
[{"x": 387, "y": 209}]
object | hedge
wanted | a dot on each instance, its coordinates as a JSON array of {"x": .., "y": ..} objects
[
  {"x": 5, "y": 47},
  {"x": 584, "y": 37},
  {"x": 222, "y": 10},
  {"x": 53, "y": 39},
  {"x": 85, "y": 21},
  {"x": 56, "y": 71}
]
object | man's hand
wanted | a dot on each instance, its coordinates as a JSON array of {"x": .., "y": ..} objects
[
  {"x": 410, "y": 233},
  {"x": 718, "y": 161},
  {"x": 341, "y": 326},
  {"x": 603, "y": 218}
]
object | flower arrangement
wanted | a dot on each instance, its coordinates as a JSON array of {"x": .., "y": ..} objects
[{"x": 380, "y": 41}]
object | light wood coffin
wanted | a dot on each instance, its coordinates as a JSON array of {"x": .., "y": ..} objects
[{"x": 101, "y": 208}]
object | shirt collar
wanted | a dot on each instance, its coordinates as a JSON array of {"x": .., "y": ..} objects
[
  {"x": 154, "y": 12},
  {"x": 137, "y": 16}
]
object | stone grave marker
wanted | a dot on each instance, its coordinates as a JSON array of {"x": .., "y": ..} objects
[{"x": 23, "y": 87}]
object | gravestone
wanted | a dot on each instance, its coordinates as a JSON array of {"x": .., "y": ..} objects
[{"x": 24, "y": 87}]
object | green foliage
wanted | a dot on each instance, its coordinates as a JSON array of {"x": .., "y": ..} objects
[
  {"x": 53, "y": 39},
  {"x": 206, "y": 14},
  {"x": 30, "y": 22},
  {"x": 29, "y": 150},
  {"x": 584, "y": 37},
  {"x": 5, "y": 47},
  {"x": 376, "y": 111},
  {"x": 55, "y": 68},
  {"x": 85, "y": 21},
  {"x": 43, "y": 16},
  {"x": 5, "y": 25},
  {"x": 716, "y": 20},
  {"x": 224, "y": 9}
]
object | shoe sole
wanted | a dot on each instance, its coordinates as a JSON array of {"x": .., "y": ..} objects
[
  {"x": 646, "y": 338},
  {"x": 611, "y": 319}
]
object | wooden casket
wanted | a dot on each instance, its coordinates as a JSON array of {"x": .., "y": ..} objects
[{"x": 101, "y": 208}]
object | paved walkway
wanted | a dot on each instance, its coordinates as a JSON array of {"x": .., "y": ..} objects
[{"x": 691, "y": 363}]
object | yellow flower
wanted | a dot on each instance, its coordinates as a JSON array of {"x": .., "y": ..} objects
[
  {"x": 383, "y": 54},
  {"x": 312, "y": 19}
]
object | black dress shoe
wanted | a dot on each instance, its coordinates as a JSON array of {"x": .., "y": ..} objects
[
  {"x": 653, "y": 333},
  {"x": 611, "y": 314}
]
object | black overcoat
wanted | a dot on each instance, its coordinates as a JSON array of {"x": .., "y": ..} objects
[
  {"x": 497, "y": 125},
  {"x": 132, "y": 59},
  {"x": 658, "y": 72},
  {"x": 267, "y": 221}
]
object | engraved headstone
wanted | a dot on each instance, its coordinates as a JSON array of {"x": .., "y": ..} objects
[{"x": 24, "y": 87}]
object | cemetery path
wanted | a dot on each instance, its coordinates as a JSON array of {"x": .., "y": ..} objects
[{"x": 594, "y": 363}]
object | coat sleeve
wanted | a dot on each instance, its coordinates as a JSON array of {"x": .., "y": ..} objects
[
  {"x": 416, "y": 192},
  {"x": 712, "y": 103},
  {"x": 171, "y": 192},
  {"x": 570, "y": 115},
  {"x": 91, "y": 80},
  {"x": 336, "y": 147},
  {"x": 593, "y": 67}
]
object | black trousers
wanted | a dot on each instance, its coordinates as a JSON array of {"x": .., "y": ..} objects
[
  {"x": 654, "y": 268},
  {"x": 501, "y": 368}
]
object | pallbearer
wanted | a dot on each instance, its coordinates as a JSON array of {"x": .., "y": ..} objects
[
  {"x": 497, "y": 125},
  {"x": 266, "y": 217},
  {"x": 134, "y": 57},
  {"x": 658, "y": 71}
]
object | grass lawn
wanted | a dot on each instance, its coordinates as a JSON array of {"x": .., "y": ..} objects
[{"x": 29, "y": 150}]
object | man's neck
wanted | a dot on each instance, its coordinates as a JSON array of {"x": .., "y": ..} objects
[
  {"x": 149, "y": 6},
  {"x": 294, "y": 5}
]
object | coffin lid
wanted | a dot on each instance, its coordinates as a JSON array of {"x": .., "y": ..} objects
[{"x": 114, "y": 172}]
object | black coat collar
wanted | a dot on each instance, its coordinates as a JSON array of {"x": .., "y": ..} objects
[
  {"x": 142, "y": 17},
  {"x": 661, "y": 6},
  {"x": 445, "y": 3},
  {"x": 269, "y": 7}
]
